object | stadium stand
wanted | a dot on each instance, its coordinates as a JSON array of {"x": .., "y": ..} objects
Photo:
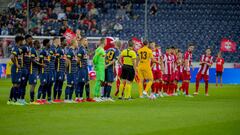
[{"x": 204, "y": 22}]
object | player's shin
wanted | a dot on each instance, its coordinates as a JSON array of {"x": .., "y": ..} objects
[
  {"x": 148, "y": 85},
  {"x": 121, "y": 86},
  {"x": 140, "y": 88},
  {"x": 59, "y": 93},
  {"x": 87, "y": 89},
  {"x": 55, "y": 89},
  {"x": 206, "y": 87}
]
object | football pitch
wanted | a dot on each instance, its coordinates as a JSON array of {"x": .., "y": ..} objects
[{"x": 217, "y": 114}]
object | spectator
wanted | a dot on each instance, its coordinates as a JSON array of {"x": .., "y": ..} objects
[
  {"x": 4, "y": 30},
  {"x": 121, "y": 13},
  {"x": 118, "y": 27},
  {"x": 153, "y": 9}
]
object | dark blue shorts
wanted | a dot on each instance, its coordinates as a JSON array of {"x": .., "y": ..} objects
[
  {"x": 60, "y": 76},
  {"x": 83, "y": 75},
  {"x": 15, "y": 75},
  {"x": 32, "y": 79},
  {"x": 71, "y": 78},
  {"x": 24, "y": 76},
  {"x": 109, "y": 75},
  {"x": 52, "y": 76},
  {"x": 44, "y": 78}
]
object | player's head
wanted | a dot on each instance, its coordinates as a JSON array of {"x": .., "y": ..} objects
[
  {"x": 63, "y": 41},
  {"x": 46, "y": 43},
  {"x": 130, "y": 43},
  {"x": 179, "y": 53},
  {"x": 84, "y": 41},
  {"x": 145, "y": 43},
  {"x": 56, "y": 41},
  {"x": 168, "y": 50},
  {"x": 191, "y": 47},
  {"x": 172, "y": 50},
  {"x": 29, "y": 39},
  {"x": 219, "y": 54},
  {"x": 102, "y": 42},
  {"x": 152, "y": 45},
  {"x": 19, "y": 40},
  {"x": 117, "y": 44},
  {"x": 74, "y": 43},
  {"x": 208, "y": 51},
  {"x": 37, "y": 44}
]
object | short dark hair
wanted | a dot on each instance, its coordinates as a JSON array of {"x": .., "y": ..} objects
[
  {"x": 45, "y": 42},
  {"x": 145, "y": 42},
  {"x": 208, "y": 48},
  {"x": 191, "y": 44},
  {"x": 172, "y": 47},
  {"x": 130, "y": 43},
  {"x": 19, "y": 38},
  {"x": 54, "y": 38},
  {"x": 28, "y": 36},
  {"x": 62, "y": 39}
]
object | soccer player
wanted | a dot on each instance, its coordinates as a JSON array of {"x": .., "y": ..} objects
[
  {"x": 60, "y": 72},
  {"x": 25, "y": 67},
  {"x": 99, "y": 67},
  {"x": 156, "y": 70},
  {"x": 16, "y": 58},
  {"x": 33, "y": 72},
  {"x": 44, "y": 72},
  {"x": 52, "y": 62},
  {"x": 186, "y": 69},
  {"x": 219, "y": 68},
  {"x": 128, "y": 70},
  {"x": 83, "y": 78},
  {"x": 168, "y": 71},
  {"x": 179, "y": 69},
  {"x": 145, "y": 57},
  {"x": 175, "y": 71},
  {"x": 203, "y": 72},
  {"x": 111, "y": 58},
  {"x": 71, "y": 65}
]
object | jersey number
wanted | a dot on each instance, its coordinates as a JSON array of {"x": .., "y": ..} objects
[
  {"x": 143, "y": 55},
  {"x": 110, "y": 55}
]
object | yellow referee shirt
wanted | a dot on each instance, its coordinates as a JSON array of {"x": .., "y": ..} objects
[{"x": 128, "y": 55}]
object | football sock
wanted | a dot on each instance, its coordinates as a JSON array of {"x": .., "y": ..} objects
[
  {"x": 140, "y": 88},
  {"x": 126, "y": 92},
  {"x": 67, "y": 90},
  {"x": 206, "y": 87},
  {"x": 39, "y": 92},
  {"x": 11, "y": 94},
  {"x": 32, "y": 95},
  {"x": 109, "y": 91},
  {"x": 120, "y": 90},
  {"x": 153, "y": 87},
  {"x": 55, "y": 89},
  {"x": 87, "y": 89},
  {"x": 148, "y": 86},
  {"x": 80, "y": 89},
  {"x": 197, "y": 85},
  {"x": 71, "y": 92},
  {"x": 59, "y": 93},
  {"x": 187, "y": 88},
  {"x": 97, "y": 89}
]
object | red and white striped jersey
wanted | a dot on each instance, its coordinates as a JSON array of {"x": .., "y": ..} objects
[
  {"x": 174, "y": 64},
  {"x": 180, "y": 64},
  {"x": 156, "y": 55},
  {"x": 168, "y": 64},
  {"x": 204, "y": 68},
  {"x": 188, "y": 57}
]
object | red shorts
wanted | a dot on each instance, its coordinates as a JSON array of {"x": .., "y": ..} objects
[
  {"x": 157, "y": 74},
  {"x": 176, "y": 75},
  {"x": 167, "y": 77},
  {"x": 201, "y": 76},
  {"x": 180, "y": 76},
  {"x": 186, "y": 75}
]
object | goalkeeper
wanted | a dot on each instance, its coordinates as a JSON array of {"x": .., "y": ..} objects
[{"x": 99, "y": 67}]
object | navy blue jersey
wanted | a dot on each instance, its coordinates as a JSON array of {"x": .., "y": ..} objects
[
  {"x": 111, "y": 55},
  {"x": 72, "y": 67},
  {"x": 83, "y": 56},
  {"x": 17, "y": 52},
  {"x": 34, "y": 63},
  {"x": 52, "y": 53},
  {"x": 44, "y": 60},
  {"x": 60, "y": 61},
  {"x": 26, "y": 57}
]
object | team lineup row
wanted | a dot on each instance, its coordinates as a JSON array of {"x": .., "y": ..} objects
[{"x": 147, "y": 66}]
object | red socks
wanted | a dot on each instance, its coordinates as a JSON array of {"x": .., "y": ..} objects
[
  {"x": 197, "y": 85},
  {"x": 206, "y": 87}
]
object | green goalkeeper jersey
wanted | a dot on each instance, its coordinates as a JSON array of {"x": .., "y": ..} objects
[{"x": 99, "y": 57}]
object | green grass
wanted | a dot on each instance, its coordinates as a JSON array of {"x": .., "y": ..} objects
[{"x": 217, "y": 114}]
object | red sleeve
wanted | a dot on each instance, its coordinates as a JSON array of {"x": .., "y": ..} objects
[
  {"x": 202, "y": 58},
  {"x": 186, "y": 56}
]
